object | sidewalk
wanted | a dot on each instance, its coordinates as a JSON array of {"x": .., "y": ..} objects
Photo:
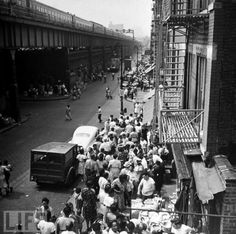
[
  {"x": 10, "y": 126},
  {"x": 146, "y": 97},
  {"x": 44, "y": 98}
]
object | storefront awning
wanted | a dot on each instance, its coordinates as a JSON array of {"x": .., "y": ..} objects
[
  {"x": 181, "y": 162},
  {"x": 148, "y": 110},
  {"x": 150, "y": 68},
  {"x": 145, "y": 97},
  {"x": 207, "y": 181}
]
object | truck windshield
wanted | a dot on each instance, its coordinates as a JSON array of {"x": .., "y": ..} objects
[
  {"x": 47, "y": 158},
  {"x": 39, "y": 157}
]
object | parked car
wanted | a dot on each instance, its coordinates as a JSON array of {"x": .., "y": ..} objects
[
  {"x": 85, "y": 136},
  {"x": 54, "y": 162}
]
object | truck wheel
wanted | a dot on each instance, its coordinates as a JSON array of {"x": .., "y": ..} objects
[
  {"x": 39, "y": 183},
  {"x": 70, "y": 177}
]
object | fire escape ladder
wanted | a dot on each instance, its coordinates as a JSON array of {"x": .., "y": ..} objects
[
  {"x": 174, "y": 60},
  {"x": 178, "y": 125}
]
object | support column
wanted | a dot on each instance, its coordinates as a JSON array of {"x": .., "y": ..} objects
[
  {"x": 90, "y": 60},
  {"x": 67, "y": 68},
  {"x": 103, "y": 59},
  {"x": 14, "y": 93}
]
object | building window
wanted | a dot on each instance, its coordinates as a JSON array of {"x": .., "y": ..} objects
[{"x": 200, "y": 85}]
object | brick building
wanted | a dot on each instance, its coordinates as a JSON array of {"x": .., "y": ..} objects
[{"x": 195, "y": 105}]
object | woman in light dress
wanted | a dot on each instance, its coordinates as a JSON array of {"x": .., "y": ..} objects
[
  {"x": 81, "y": 157},
  {"x": 102, "y": 182}
]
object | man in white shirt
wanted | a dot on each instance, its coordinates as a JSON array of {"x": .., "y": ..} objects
[
  {"x": 146, "y": 187},
  {"x": 129, "y": 128},
  {"x": 47, "y": 227},
  {"x": 106, "y": 145},
  {"x": 143, "y": 144}
]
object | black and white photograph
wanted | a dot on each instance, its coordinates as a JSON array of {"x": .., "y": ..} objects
[{"x": 117, "y": 117}]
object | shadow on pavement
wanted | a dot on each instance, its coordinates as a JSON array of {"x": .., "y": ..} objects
[{"x": 12, "y": 196}]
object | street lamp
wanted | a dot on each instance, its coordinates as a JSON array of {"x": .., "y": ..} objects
[{"x": 121, "y": 81}]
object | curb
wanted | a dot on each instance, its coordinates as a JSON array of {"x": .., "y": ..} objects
[
  {"x": 24, "y": 119},
  {"x": 39, "y": 99}
]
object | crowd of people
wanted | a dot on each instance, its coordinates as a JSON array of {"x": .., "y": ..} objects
[
  {"x": 122, "y": 165},
  {"x": 59, "y": 89}
]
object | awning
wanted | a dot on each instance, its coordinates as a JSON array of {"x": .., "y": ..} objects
[
  {"x": 207, "y": 181},
  {"x": 148, "y": 111},
  {"x": 183, "y": 166},
  {"x": 150, "y": 68},
  {"x": 144, "y": 97}
]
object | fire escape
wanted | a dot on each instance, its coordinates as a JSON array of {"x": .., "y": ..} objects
[{"x": 176, "y": 124}]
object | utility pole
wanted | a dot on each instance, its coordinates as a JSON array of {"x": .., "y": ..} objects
[
  {"x": 121, "y": 80},
  {"x": 137, "y": 61},
  {"x": 14, "y": 95}
]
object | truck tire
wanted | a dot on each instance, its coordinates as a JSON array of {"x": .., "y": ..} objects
[{"x": 70, "y": 177}]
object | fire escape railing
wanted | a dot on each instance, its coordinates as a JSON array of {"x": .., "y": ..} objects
[
  {"x": 178, "y": 125},
  {"x": 172, "y": 8}
]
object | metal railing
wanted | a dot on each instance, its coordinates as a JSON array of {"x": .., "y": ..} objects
[
  {"x": 66, "y": 20},
  {"x": 177, "y": 125},
  {"x": 183, "y": 8},
  {"x": 180, "y": 126}
]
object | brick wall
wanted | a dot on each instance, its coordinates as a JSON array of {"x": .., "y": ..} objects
[
  {"x": 228, "y": 225},
  {"x": 228, "y": 200},
  {"x": 221, "y": 107}
]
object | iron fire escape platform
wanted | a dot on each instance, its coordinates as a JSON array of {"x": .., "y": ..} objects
[{"x": 180, "y": 126}]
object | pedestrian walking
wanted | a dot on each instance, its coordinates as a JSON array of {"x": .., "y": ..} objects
[
  {"x": 68, "y": 115},
  {"x": 7, "y": 172},
  {"x": 104, "y": 78},
  {"x": 43, "y": 212},
  {"x": 3, "y": 184},
  {"x": 99, "y": 114},
  {"x": 113, "y": 75}
]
